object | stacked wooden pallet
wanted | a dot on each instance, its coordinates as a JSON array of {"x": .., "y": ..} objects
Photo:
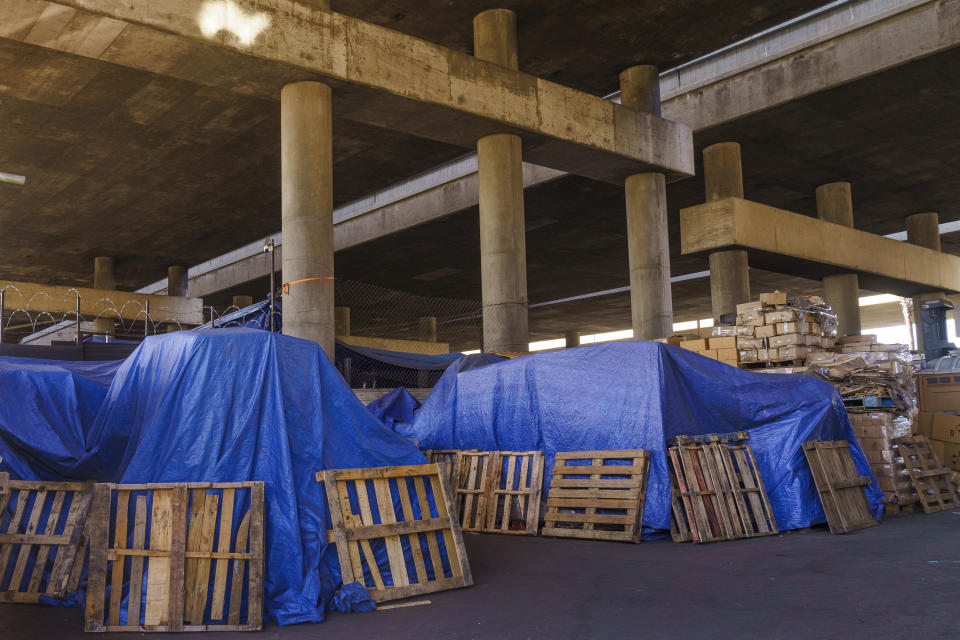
[{"x": 930, "y": 478}]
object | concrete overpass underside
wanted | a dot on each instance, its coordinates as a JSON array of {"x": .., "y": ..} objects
[{"x": 158, "y": 171}]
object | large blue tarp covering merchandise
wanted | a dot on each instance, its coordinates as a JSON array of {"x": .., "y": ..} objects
[
  {"x": 219, "y": 405},
  {"x": 631, "y": 395},
  {"x": 227, "y": 405}
]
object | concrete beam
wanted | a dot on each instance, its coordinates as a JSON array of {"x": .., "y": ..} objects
[
  {"x": 56, "y": 300},
  {"x": 792, "y": 243},
  {"x": 388, "y": 79}
]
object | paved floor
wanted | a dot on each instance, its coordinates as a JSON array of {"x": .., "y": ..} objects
[{"x": 898, "y": 580}]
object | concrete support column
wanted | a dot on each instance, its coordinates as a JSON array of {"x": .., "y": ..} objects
[
  {"x": 729, "y": 270},
  {"x": 841, "y": 291},
  {"x": 503, "y": 259},
  {"x": 178, "y": 284},
  {"x": 572, "y": 339},
  {"x": 306, "y": 175},
  {"x": 923, "y": 229},
  {"x": 648, "y": 243},
  {"x": 428, "y": 329},
  {"x": 241, "y": 302},
  {"x": 342, "y": 320},
  {"x": 104, "y": 277}
]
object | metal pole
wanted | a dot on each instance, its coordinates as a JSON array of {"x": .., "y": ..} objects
[
  {"x": 2, "y": 294},
  {"x": 79, "y": 337},
  {"x": 146, "y": 320},
  {"x": 268, "y": 247}
]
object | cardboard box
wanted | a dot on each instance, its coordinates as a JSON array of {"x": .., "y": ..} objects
[
  {"x": 869, "y": 444},
  {"x": 924, "y": 424},
  {"x": 746, "y": 331},
  {"x": 766, "y": 331},
  {"x": 728, "y": 354},
  {"x": 783, "y": 328},
  {"x": 868, "y": 339},
  {"x": 776, "y": 317},
  {"x": 951, "y": 456},
  {"x": 766, "y": 355},
  {"x": 785, "y": 340},
  {"x": 773, "y": 299},
  {"x": 795, "y": 351},
  {"x": 709, "y": 353},
  {"x": 882, "y": 457},
  {"x": 939, "y": 392},
  {"x": 694, "y": 345},
  {"x": 751, "y": 343},
  {"x": 721, "y": 330},
  {"x": 945, "y": 428},
  {"x": 670, "y": 340},
  {"x": 889, "y": 485},
  {"x": 811, "y": 340},
  {"x": 722, "y": 343},
  {"x": 939, "y": 449},
  {"x": 747, "y": 307},
  {"x": 872, "y": 418},
  {"x": 747, "y": 355},
  {"x": 753, "y": 319}
]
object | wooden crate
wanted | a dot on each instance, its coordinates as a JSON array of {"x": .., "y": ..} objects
[
  {"x": 929, "y": 477},
  {"x": 42, "y": 538},
  {"x": 473, "y": 488},
  {"x": 514, "y": 492},
  {"x": 600, "y": 500},
  {"x": 199, "y": 569},
  {"x": 840, "y": 486},
  {"x": 718, "y": 493},
  {"x": 392, "y": 508}
]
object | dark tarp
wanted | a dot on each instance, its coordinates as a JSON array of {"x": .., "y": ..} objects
[
  {"x": 395, "y": 407},
  {"x": 221, "y": 405},
  {"x": 631, "y": 395}
]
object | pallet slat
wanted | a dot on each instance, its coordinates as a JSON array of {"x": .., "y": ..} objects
[
  {"x": 583, "y": 496},
  {"x": 353, "y": 532}
]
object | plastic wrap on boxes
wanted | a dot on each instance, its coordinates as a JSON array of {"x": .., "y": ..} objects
[
  {"x": 748, "y": 355},
  {"x": 751, "y": 343},
  {"x": 724, "y": 330}
]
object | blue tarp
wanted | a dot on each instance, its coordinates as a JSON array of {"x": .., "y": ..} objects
[
  {"x": 395, "y": 407},
  {"x": 217, "y": 405},
  {"x": 631, "y": 395}
]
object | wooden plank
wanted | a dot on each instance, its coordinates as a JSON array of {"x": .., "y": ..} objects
[
  {"x": 97, "y": 581},
  {"x": 196, "y": 607},
  {"x": 12, "y": 527},
  {"x": 414, "y": 538},
  {"x": 194, "y": 528},
  {"x": 366, "y": 519},
  {"x": 223, "y": 545},
  {"x": 339, "y": 532},
  {"x": 136, "y": 563},
  {"x": 236, "y": 584},
  {"x": 372, "y": 473},
  {"x": 398, "y": 567},
  {"x": 255, "y": 582},
  {"x": 119, "y": 542},
  {"x": 436, "y": 562},
  {"x": 158, "y": 569},
  {"x": 178, "y": 545},
  {"x": 39, "y": 499},
  {"x": 453, "y": 537}
]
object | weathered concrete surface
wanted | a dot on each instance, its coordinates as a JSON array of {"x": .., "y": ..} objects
[
  {"x": 393, "y": 344},
  {"x": 58, "y": 300},
  {"x": 405, "y": 83},
  {"x": 306, "y": 131},
  {"x": 788, "y": 242},
  {"x": 729, "y": 281},
  {"x": 841, "y": 291},
  {"x": 428, "y": 329},
  {"x": 177, "y": 282},
  {"x": 923, "y": 230}
]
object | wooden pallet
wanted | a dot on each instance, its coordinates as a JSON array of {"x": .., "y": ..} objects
[
  {"x": 473, "y": 488},
  {"x": 42, "y": 538},
  {"x": 840, "y": 486},
  {"x": 718, "y": 493},
  {"x": 513, "y": 498},
  {"x": 203, "y": 555},
  {"x": 393, "y": 508},
  {"x": 4, "y": 481},
  {"x": 600, "y": 500},
  {"x": 930, "y": 478}
]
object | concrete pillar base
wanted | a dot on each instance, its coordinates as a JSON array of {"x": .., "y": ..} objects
[
  {"x": 729, "y": 281},
  {"x": 241, "y": 302},
  {"x": 342, "y": 320},
  {"x": 842, "y": 292},
  {"x": 428, "y": 329},
  {"x": 572, "y": 339}
]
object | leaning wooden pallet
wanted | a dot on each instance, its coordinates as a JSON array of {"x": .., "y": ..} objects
[
  {"x": 473, "y": 488},
  {"x": 595, "y": 495},
  {"x": 513, "y": 494},
  {"x": 394, "y": 507},
  {"x": 929, "y": 477},
  {"x": 840, "y": 486},
  {"x": 451, "y": 460},
  {"x": 49, "y": 541},
  {"x": 718, "y": 492},
  {"x": 201, "y": 535}
]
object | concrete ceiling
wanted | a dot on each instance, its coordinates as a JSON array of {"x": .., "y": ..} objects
[{"x": 158, "y": 171}]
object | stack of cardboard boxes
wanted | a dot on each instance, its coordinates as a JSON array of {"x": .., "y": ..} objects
[
  {"x": 875, "y": 431},
  {"x": 722, "y": 348},
  {"x": 943, "y": 429}
]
